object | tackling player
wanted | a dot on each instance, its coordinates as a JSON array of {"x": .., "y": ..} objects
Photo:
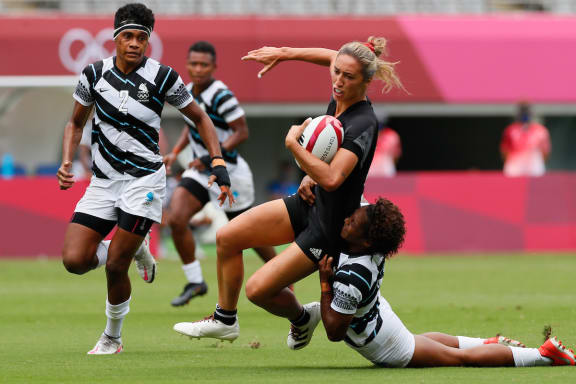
[
  {"x": 353, "y": 310},
  {"x": 127, "y": 92}
]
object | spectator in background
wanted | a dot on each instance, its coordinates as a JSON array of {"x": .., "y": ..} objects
[
  {"x": 388, "y": 151},
  {"x": 525, "y": 145}
]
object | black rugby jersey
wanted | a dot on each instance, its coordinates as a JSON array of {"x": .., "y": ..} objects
[
  {"x": 127, "y": 113},
  {"x": 360, "y": 134}
]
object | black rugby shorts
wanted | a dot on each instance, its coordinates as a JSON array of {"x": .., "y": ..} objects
[{"x": 307, "y": 233}]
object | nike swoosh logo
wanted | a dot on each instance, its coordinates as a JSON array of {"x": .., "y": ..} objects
[{"x": 102, "y": 90}]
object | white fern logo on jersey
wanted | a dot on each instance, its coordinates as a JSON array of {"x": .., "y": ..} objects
[{"x": 143, "y": 93}]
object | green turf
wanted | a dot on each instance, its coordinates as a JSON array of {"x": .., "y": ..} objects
[{"x": 50, "y": 318}]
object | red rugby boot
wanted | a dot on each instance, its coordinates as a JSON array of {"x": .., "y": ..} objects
[{"x": 560, "y": 355}]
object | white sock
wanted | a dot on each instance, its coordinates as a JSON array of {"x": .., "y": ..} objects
[
  {"x": 529, "y": 357},
  {"x": 193, "y": 272},
  {"x": 465, "y": 342},
  {"x": 115, "y": 315},
  {"x": 102, "y": 252}
]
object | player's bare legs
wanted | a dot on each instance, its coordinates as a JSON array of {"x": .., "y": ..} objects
[
  {"x": 448, "y": 340},
  {"x": 265, "y": 253},
  {"x": 464, "y": 342},
  {"x": 267, "y": 287},
  {"x": 431, "y": 353},
  {"x": 79, "y": 250},
  {"x": 122, "y": 248},
  {"x": 183, "y": 206},
  {"x": 265, "y": 225}
]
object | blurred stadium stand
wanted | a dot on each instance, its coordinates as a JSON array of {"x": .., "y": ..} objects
[
  {"x": 47, "y": 169},
  {"x": 297, "y": 7},
  {"x": 20, "y": 170},
  {"x": 17, "y": 170},
  {"x": 466, "y": 64},
  {"x": 465, "y": 74}
]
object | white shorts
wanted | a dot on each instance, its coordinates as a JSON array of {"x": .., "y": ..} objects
[
  {"x": 394, "y": 345},
  {"x": 142, "y": 196},
  {"x": 242, "y": 185}
]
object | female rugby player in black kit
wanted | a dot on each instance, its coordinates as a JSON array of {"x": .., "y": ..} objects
[{"x": 309, "y": 223}]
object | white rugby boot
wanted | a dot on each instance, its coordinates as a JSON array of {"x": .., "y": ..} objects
[
  {"x": 209, "y": 328},
  {"x": 106, "y": 345},
  {"x": 145, "y": 262},
  {"x": 299, "y": 337}
]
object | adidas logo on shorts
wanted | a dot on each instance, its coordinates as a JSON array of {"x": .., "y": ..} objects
[{"x": 316, "y": 252}]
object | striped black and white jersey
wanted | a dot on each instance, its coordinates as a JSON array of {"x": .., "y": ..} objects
[
  {"x": 356, "y": 291},
  {"x": 222, "y": 107},
  {"x": 127, "y": 112}
]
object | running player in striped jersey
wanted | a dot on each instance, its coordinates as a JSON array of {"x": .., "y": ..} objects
[
  {"x": 127, "y": 92},
  {"x": 193, "y": 193},
  {"x": 353, "y": 310}
]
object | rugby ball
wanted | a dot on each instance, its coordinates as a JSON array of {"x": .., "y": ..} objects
[{"x": 322, "y": 137}]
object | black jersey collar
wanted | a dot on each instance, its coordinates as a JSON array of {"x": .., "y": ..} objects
[{"x": 350, "y": 108}]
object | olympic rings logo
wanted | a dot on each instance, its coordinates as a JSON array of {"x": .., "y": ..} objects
[{"x": 93, "y": 48}]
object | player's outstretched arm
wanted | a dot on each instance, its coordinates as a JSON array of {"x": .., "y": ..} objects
[
  {"x": 208, "y": 134},
  {"x": 70, "y": 141},
  {"x": 270, "y": 56}
]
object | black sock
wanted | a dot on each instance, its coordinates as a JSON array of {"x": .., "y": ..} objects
[
  {"x": 227, "y": 317},
  {"x": 302, "y": 319}
]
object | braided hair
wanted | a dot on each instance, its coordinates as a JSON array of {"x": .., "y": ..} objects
[{"x": 385, "y": 227}]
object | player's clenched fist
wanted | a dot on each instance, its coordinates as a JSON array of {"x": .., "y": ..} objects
[
  {"x": 65, "y": 178},
  {"x": 221, "y": 177}
]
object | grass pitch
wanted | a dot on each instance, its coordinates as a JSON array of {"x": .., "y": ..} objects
[{"x": 49, "y": 319}]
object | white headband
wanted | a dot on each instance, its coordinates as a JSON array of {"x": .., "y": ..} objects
[{"x": 139, "y": 27}]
